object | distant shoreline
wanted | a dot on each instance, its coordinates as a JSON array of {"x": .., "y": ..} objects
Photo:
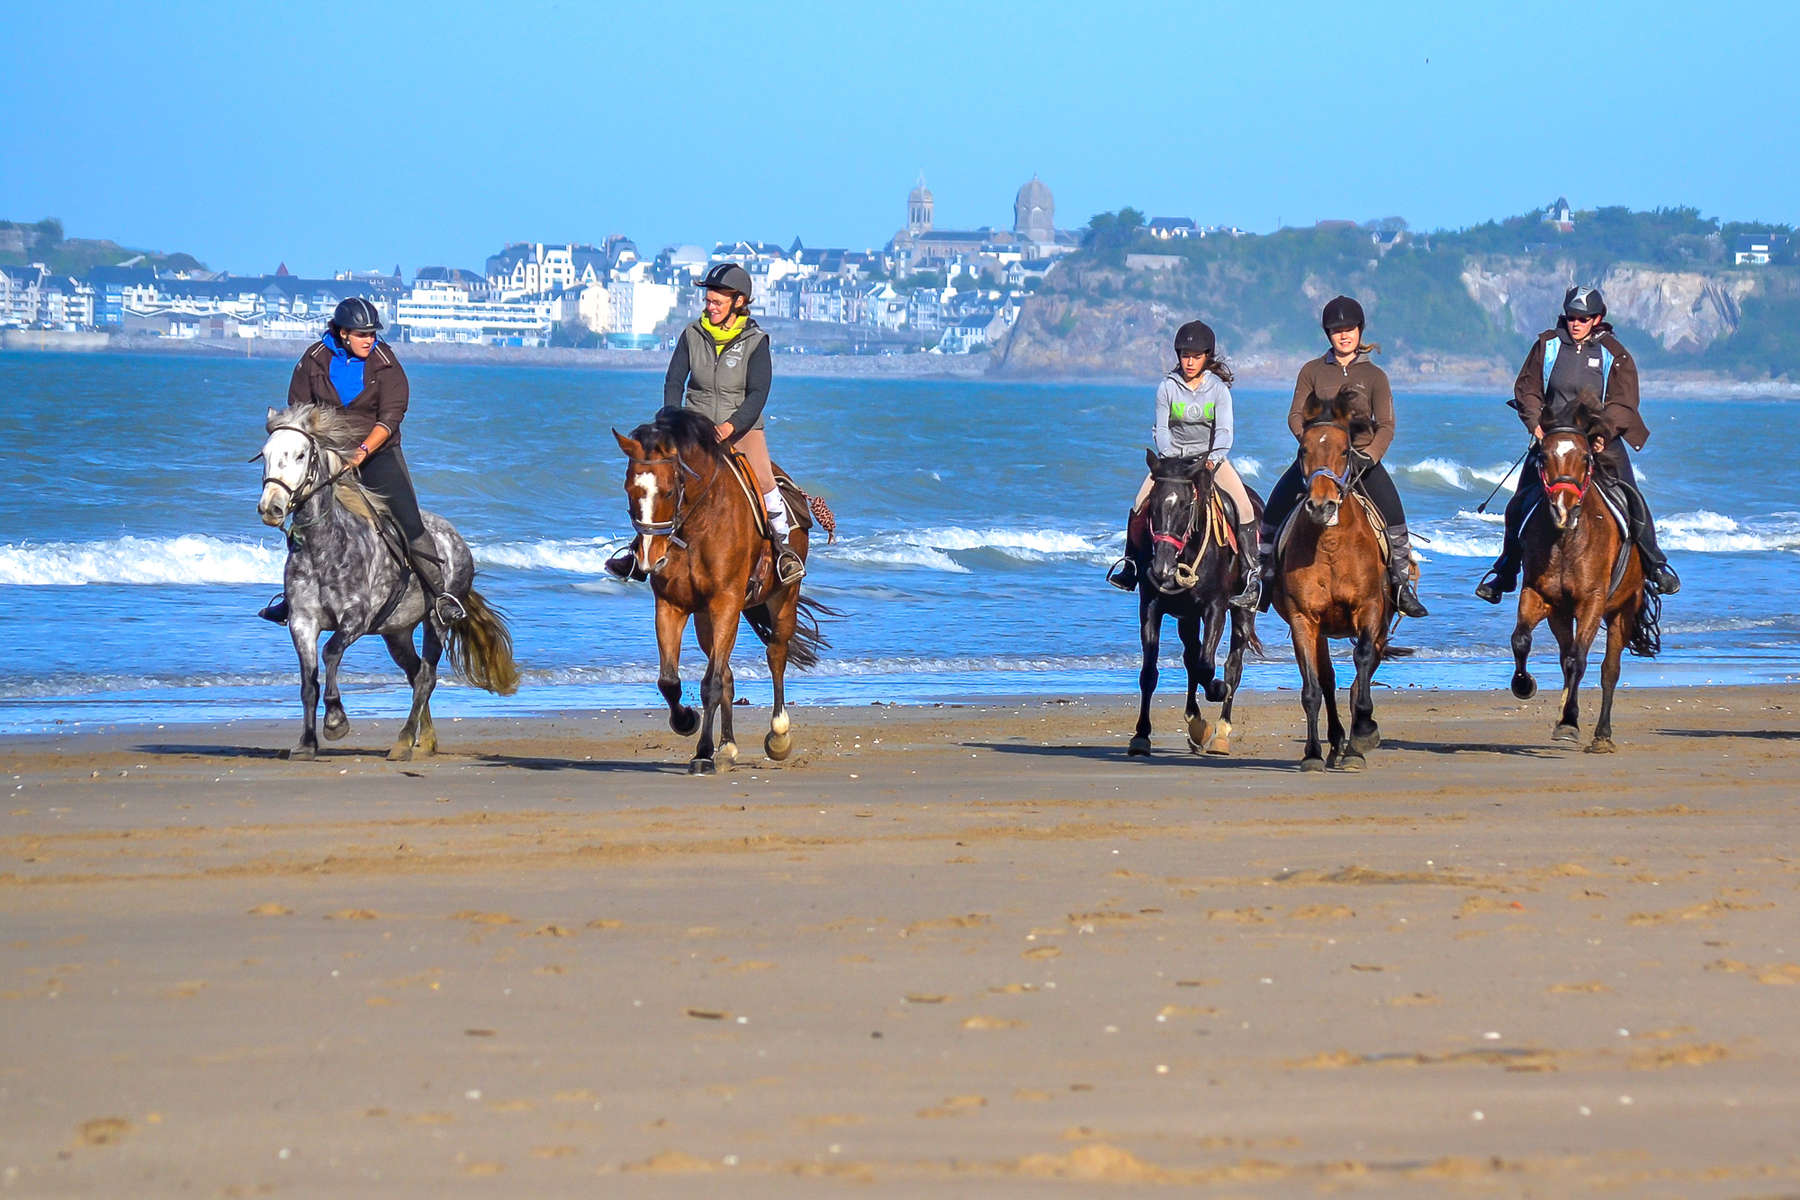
[{"x": 1275, "y": 372}]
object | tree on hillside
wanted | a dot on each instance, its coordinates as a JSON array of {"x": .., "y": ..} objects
[{"x": 1107, "y": 233}]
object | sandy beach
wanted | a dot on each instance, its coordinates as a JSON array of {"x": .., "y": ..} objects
[{"x": 943, "y": 950}]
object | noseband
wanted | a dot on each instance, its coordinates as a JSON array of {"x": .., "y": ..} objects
[
  {"x": 1186, "y": 576},
  {"x": 1342, "y": 481},
  {"x": 1568, "y": 483},
  {"x": 670, "y": 528}
]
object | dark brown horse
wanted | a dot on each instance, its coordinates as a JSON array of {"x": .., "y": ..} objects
[
  {"x": 698, "y": 540},
  {"x": 1331, "y": 582},
  {"x": 1189, "y": 573},
  {"x": 1579, "y": 570}
]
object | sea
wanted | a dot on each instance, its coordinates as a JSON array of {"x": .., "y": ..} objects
[{"x": 976, "y": 522}]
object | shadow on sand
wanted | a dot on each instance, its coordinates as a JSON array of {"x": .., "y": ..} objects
[
  {"x": 1767, "y": 735},
  {"x": 1116, "y": 755}
]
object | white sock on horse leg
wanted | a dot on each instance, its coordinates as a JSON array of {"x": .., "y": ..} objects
[{"x": 778, "y": 513}]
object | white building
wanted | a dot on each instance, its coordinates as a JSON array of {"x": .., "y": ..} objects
[
  {"x": 443, "y": 311},
  {"x": 21, "y": 294},
  {"x": 539, "y": 269}
]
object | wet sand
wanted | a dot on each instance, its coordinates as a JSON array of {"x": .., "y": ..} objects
[{"x": 958, "y": 951}]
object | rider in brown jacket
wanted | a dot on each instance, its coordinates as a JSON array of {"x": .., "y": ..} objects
[{"x": 1581, "y": 356}]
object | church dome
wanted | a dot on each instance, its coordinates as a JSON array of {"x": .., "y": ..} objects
[{"x": 1034, "y": 211}]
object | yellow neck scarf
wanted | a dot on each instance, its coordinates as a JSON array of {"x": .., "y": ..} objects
[{"x": 721, "y": 334}]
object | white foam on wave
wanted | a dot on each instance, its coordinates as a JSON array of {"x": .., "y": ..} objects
[
  {"x": 1247, "y": 466},
  {"x": 581, "y": 556},
  {"x": 185, "y": 559},
  {"x": 1708, "y": 532},
  {"x": 934, "y": 547},
  {"x": 1451, "y": 473}
]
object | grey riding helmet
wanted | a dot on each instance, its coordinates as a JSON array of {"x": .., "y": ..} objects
[
  {"x": 727, "y": 277},
  {"x": 1580, "y": 301},
  {"x": 356, "y": 315}
]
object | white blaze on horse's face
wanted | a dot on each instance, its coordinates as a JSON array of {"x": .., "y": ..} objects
[
  {"x": 1566, "y": 471},
  {"x": 643, "y": 493},
  {"x": 286, "y": 457}
]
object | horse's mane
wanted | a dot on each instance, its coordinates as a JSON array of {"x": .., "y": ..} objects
[
  {"x": 1334, "y": 411},
  {"x": 1177, "y": 468},
  {"x": 1582, "y": 416},
  {"x": 332, "y": 432},
  {"x": 679, "y": 431}
]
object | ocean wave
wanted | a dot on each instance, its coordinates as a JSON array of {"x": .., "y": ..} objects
[
  {"x": 1454, "y": 474},
  {"x": 1706, "y": 532},
  {"x": 935, "y": 548},
  {"x": 185, "y": 559},
  {"x": 1247, "y": 466},
  {"x": 581, "y": 556}
]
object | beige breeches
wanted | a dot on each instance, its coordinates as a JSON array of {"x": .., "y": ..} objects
[
  {"x": 756, "y": 448},
  {"x": 1226, "y": 476}
]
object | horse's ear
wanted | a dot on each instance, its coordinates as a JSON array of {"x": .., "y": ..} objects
[
  {"x": 1341, "y": 404},
  {"x": 1150, "y": 458},
  {"x": 1201, "y": 466},
  {"x": 274, "y": 416},
  {"x": 1314, "y": 409},
  {"x": 634, "y": 450}
]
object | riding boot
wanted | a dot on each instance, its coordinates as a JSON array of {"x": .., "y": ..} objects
[
  {"x": 1250, "y": 564},
  {"x": 623, "y": 565},
  {"x": 1400, "y": 572},
  {"x": 1503, "y": 576},
  {"x": 1124, "y": 573},
  {"x": 422, "y": 553},
  {"x": 789, "y": 566},
  {"x": 275, "y": 610},
  {"x": 1643, "y": 532}
]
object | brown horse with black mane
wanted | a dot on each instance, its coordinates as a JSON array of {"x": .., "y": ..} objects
[
  {"x": 1331, "y": 582},
  {"x": 699, "y": 541},
  {"x": 1579, "y": 570}
]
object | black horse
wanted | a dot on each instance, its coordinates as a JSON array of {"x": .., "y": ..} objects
[{"x": 1190, "y": 572}]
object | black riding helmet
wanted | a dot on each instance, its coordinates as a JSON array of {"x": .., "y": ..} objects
[
  {"x": 1196, "y": 337},
  {"x": 727, "y": 277},
  {"x": 1581, "y": 301},
  {"x": 1342, "y": 313},
  {"x": 355, "y": 315}
]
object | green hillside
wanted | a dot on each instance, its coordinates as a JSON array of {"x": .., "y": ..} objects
[{"x": 43, "y": 241}]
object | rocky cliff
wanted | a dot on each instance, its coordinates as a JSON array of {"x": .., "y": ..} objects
[{"x": 1685, "y": 311}]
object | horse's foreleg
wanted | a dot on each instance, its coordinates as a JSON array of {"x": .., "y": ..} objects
[
  {"x": 1532, "y": 609},
  {"x": 1209, "y": 650},
  {"x": 427, "y": 685},
  {"x": 1150, "y": 634},
  {"x": 1306, "y": 649},
  {"x": 717, "y": 632},
  {"x": 336, "y": 723},
  {"x": 671, "y": 623},
  {"x": 1234, "y": 672},
  {"x": 1616, "y": 627},
  {"x": 305, "y": 633},
  {"x": 1199, "y": 673},
  {"x": 778, "y": 743}
]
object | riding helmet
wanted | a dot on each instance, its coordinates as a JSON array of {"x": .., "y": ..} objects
[
  {"x": 1342, "y": 313},
  {"x": 727, "y": 277},
  {"x": 1580, "y": 301},
  {"x": 1196, "y": 337},
  {"x": 356, "y": 315}
]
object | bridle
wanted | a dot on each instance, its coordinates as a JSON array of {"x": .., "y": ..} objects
[
  {"x": 671, "y": 528},
  {"x": 1568, "y": 483},
  {"x": 1186, "y": 573},
  {"x": 1342, "y": 481}
]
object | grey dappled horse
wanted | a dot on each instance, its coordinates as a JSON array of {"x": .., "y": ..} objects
[{"x": 346, "y": 574}]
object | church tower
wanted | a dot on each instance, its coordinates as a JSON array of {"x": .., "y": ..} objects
[
  {"x": 1034, "y": 213},
  {"x": 918, "y": 208}
]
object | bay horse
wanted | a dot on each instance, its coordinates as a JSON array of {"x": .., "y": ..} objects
[
  {"x": 1579, "y": 570},
  {"x": 698, "y": 541},
  {"x": 1189, "y": 573},
  {"x": 1331, "y": 582},
  {"x": 347, "y": 574}
]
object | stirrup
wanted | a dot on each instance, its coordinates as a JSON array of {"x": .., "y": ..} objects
[
  {"x": 789, "y": 566},
  {"x": 1123, "y": 575},
  {"x": 1406, "y": 599},
  {"x": 1251, "y": 596},
  {"x": 623, "y": 567},
  {"x": 1494, "y": 586},
  {"x": 275, "y": 610},
  {"x": 456, "y": 611},
  {"x": 1664, "y": 577}
]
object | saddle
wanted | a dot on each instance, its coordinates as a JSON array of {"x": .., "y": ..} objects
[{"x": 803, "y": 511}]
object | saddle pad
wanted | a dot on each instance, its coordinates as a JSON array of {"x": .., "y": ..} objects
[{"x": 1370, "y": 512}]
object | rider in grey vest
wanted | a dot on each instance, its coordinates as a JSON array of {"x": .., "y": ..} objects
[
  {"x": 1580, "y": 358},
  {"x": 721, "y": 369}
]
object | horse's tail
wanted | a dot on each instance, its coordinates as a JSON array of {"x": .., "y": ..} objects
[
  {"x": 1252, "y": 643},
  {"x": 1645, "y": 639},
  {"x": 481, "y": 648},
  {"x": 808, "y": 639}
]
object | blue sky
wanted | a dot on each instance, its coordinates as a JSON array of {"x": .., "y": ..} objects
[{"x": 432, "y": 133}]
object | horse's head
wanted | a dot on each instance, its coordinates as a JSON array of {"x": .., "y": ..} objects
[
  {"x": 290, "y": 457},
  {"x": 1567, "y": 466},
  {"x": 1328, "y": 431},
  {"x": 653, "y": 493},
  {"x": 1177, "y": 486}
]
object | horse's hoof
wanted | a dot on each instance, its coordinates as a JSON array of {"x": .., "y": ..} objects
[
  {"x": 1601, "y": 746},
  {"x": 301, "y": 753},
  {"x": 337, "y": 727},
  {"x": 778, "y": 745},
  {"x": 1524, "y": 687},
  {"x": 401, "y": 752},
  {"x": 1350, "y": 760},
  {"x": 1139, "y": 748},
  {"x": 1215, "y": 691},
  {"x": 1362, "y": 743},
  {"x": 1199, "y": 732},
  {"x": 1312, "y": 764},
  {"x": 1566, "y": 733},
  {"x": 703, "y": 766},
  {"x": 1221, "y": 739},
  {"x": 684, "y": 721}
]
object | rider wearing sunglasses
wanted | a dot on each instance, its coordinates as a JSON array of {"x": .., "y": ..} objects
[
  {"x": 352, "y": 369},
  {"x": 1581, "y": 355}
]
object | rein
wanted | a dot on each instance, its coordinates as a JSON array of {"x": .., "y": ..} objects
[
  {"x": 1568, "y": 483},
  {"x": 1186, "y": 573},
  {"x": 297, "y": 497},
  {"x": 671, "y": 528}
]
